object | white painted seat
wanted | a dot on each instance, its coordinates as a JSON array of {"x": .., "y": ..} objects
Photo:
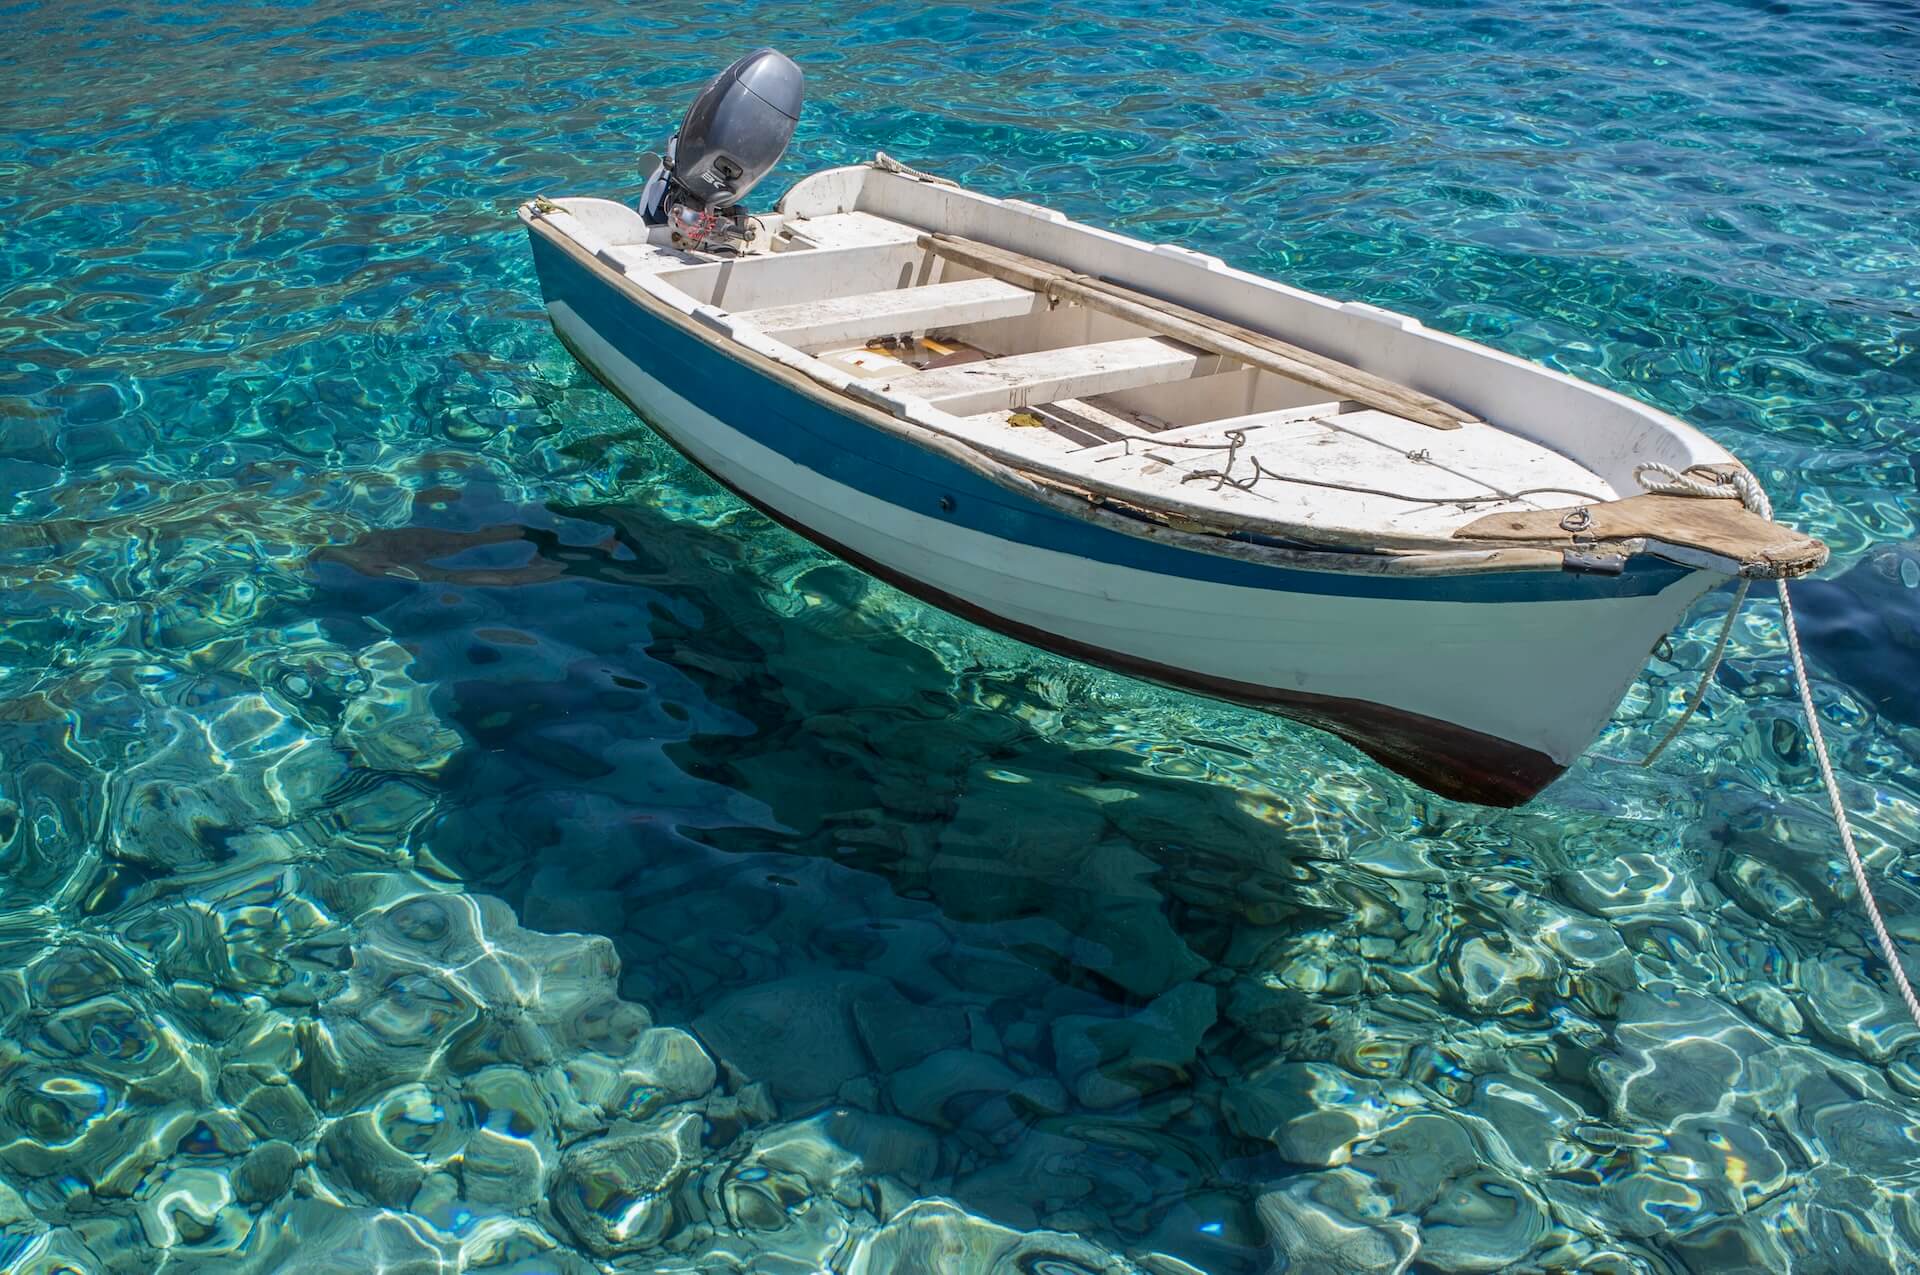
[
  {"x": 813, "y": 324},
  {"x": 1045, "y": 376},
  {"x": 842, "y": 230}
]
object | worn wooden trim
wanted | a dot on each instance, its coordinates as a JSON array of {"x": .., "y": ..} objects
[
  {"x": 1202, "y": 331},
  {"x": 1722, "y": 529}
]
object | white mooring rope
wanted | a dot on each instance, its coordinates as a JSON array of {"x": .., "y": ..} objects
[
  {"x": 1742, "y": 486},
  {"x": 1706, "y": 678},
  {"x": 1840, "y": 814}
]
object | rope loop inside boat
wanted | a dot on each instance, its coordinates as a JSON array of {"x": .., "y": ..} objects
[{"x": 1740, "y": 485}]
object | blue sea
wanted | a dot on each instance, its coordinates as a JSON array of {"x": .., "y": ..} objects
[{"x": 441, "y": 830}]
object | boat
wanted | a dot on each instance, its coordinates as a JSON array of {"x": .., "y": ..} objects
[{"x": 1136, "y": 455}]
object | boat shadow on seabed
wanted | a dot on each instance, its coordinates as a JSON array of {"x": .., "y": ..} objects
[{"x": 1043, "y": 943}]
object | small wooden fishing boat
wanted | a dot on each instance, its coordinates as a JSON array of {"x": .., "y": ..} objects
[{"x": 1132, "y": 454}]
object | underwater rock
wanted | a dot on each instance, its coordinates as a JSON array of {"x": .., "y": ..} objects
[
  {"x": 266, "y": 1173},
  {"x": 1771, "y": 1008},
  {"x": 108, "y": 1246},
  {"x": 1165, "y": 1264},
  {"x": 1414, "y": 1157},
  {"x": 1827, "y": 1223},
  {"x": 270, "y": 1104},
  {"x": 73, "y": 1123},
  {"x": 809, "y": 1150},
  {"x": 391, "y": 725},
  {"x": 237, "y": 767},
  {"x": 1678, "y": 1054},
  {"x": 992, "y": 973},
  {"x": 729, "y": 1115},
  {"x": 1008, "y": 841},
  {"x": 1267, "y": 1011},
  {"x": 945, "y": 1090},
  {"x": 1313, "y": 1112},
  {"x": 355, "y": 1159},
  {"x": 1846, "y": 1221},
  {"x": 442, "y": 981},
  {"x": 1637, "y": 1203},
  {"x": 1599, "y": 968},
  {"x": 383, "y": 1154},
  {"x": 14, "y": 1211},
  {"x": 184, "y": 1206},
  {"x": 1860, "y": 1134},
  {"x": 787, "y": 1172},
  {"x": 1501, "y": 976},
  {"x": 316, "y": 1237},
  {"x": 1734, "y": 1245},
  {"x": 391, "y": 1023},
  {"x": 796, "y": 1034},
  {"x": 1790, "y": 895},
  {"x": 1335, "y": 1223},
  {"x": 885, "y": 1146},
  {"x": 1321, "y": 974},
  {"x": 614, "y": 1193},
  {"x": 1482, "y": 1222},
  {"x": 1122, "y": 915},
  {"x": 1851, "y": 1010},
  {"x": 1039, "y": 1097},
  {"x": 666, "y": 1065},
  {"x": 1534, "y": 1120},
  {"x": 1630, "y": 887},
  {"x": 515, "y": 1246},
  {"x": 898, "y": 1033},
  {"x": 938, "y": 1235},
  {"x": 1217, "y": 1230},
  {"x": 1111, "y": 1061},
  {"x": 1733, "y": 1163},
  {"x": 501, "y": 1171},
  {"x": 511, "y": 1102},
  {"x": 1043, "y": 1173},
  {"x": 557, "y": 900},
  {"x": 375, "y": 823}
]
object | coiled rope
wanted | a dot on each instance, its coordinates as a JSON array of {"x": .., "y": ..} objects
[{"x": 1740, "y": 485}]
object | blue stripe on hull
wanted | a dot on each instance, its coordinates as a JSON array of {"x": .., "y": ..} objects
[{"x": 840, "y": 447}]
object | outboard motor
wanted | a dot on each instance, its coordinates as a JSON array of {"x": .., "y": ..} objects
[{"x": 733, "y": 135}]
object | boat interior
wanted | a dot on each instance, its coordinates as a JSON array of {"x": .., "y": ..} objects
[{"x": 1104, "y": 396}]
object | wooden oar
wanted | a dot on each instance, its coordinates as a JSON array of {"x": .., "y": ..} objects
[{"x": 1202, "y": 331}]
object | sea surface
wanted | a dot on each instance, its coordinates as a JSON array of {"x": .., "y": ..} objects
[{"x": 439, "y": 829}]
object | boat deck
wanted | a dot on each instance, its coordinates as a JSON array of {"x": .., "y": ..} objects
[{"x": 1092, "y": 400}]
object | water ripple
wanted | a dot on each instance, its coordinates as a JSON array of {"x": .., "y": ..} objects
[{"x": 438, "y": 828}]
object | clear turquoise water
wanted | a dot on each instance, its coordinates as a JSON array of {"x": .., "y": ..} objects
[{"x": 391, "y": 729}]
